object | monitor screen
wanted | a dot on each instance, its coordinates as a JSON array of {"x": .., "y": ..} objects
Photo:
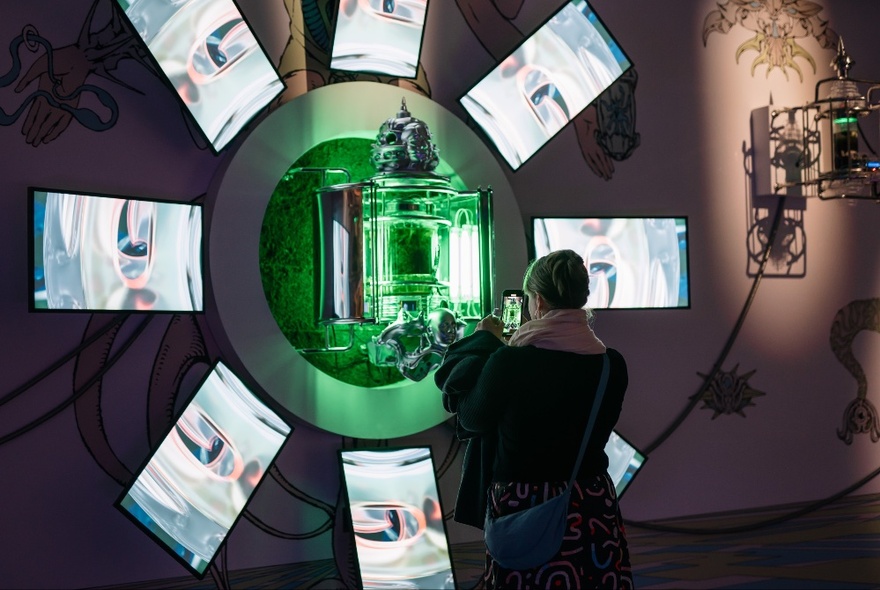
[
  {"x": 196, "y": 484},
  {"x": 93, "y": 252},
  {"x": 624, "y": 461},
  {"x": 546, "y": 82},
  {"x": 634, "y": 262},
  {"x": 396, "y": 518},
  {"x": 379, "y": 36},
  {"x": 211, "y": 58}
]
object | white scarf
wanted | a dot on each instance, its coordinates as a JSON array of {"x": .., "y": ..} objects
[{"x": 568, "y": 330}]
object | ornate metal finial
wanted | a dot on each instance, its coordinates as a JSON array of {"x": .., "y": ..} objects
[
  {"x": 404, "y": 143},
  {"x": 842, "y": 62}
]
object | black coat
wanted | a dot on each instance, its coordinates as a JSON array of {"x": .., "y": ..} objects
[{"x": 522, "y": 412}]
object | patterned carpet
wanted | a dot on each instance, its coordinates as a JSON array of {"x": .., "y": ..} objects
[{"x": 837, "y": 546}]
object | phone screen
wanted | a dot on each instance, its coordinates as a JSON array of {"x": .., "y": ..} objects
[{"x": 512, "y": 310}]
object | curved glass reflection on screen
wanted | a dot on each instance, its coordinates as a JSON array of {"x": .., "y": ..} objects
[
  {"x": 634, "y": 262},
  {"x": 624, "y": 461},
  {"x": 545, "y": 82},
  {"x": 200, "y": 478},
  {"x": 379, "y": 36},
  {"x": 211, "y": 57},
  {"x": 397, "y": 520},
  {"x": 104, "y": 253}
]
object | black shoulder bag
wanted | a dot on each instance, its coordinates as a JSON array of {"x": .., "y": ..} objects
[{"x": 530, "y": 537}]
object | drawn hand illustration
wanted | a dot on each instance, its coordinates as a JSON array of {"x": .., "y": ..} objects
[
  {"x": 69, "y": 68},
  {"x": 587, "y": 130},
  {"x": 51, "y": 88}
]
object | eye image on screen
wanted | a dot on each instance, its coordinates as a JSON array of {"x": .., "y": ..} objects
[
  {"x": 396, "y": 518},
  {"x": 192, "y": 490},
  {"x": 107, "y": 253},
  {"x": 211, "y": 58},
  {"x": 546, "y": 82},
  {"x": 379, "y": 36},
  {"x": 634, "y": 262},
  {"x": 624, "y": 461}
]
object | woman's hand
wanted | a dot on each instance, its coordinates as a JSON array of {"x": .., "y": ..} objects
[{"x": 493, "y": 324}]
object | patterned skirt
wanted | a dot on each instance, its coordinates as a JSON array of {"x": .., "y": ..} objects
[{"x": 594, "y": 551}]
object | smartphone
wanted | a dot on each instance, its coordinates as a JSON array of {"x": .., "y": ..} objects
[{"x": 512, "y": 301}]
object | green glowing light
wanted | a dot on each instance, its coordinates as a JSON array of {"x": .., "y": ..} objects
[
  {"x": 288, "y": 262},
  {"x": 845, "y": 121},
  {"x": 290, "y": 265}
]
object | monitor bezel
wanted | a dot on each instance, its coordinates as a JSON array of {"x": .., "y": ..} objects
[
  {"x": 167, "y": 431},
  {"x": 485, "y": 135},
  {"x": 31, "y": 253},
  {"x": 373, "y": 72},
  {"x": 687, "y": 253},
  {"x": 166, "y": 80},
  {"x": 346, "y": 502},
  {"x": 641, "y": 454}
]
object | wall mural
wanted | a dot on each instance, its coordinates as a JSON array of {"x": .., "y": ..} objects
[
  {"x": 51, "y": 90},
  {"x": 61, "y": 75},
  {"x": 777, "y": 25},
  {"x": 860, "y": 415},
  {"x": 183, "y": 348},
  {"x": 729, "y": 393},
  {"x": 605, "y": 133}
]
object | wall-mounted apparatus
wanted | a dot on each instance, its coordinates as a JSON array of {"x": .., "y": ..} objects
[{"x": 820, "y": 149}]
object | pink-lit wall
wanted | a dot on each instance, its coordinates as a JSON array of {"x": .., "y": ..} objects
[{"x": 693, "y": 106}]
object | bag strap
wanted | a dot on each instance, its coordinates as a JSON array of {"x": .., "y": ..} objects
[{"x": 600, "y": 391}]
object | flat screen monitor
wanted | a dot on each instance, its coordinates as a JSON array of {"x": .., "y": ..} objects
[
  {"x": 379, "y": 36},
  {"x": 624, "y": 461},
  {"x": 546, "y": 82},
  {"x": 94, "y": 252},
  {"x": 210, "y": 56},
  {"x": 634, "y": 262},
  {"x": 396, "y": 518},
  {"x": 195, "y": 486}
]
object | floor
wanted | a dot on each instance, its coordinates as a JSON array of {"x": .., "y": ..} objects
[{"x": 837, "y": 546}]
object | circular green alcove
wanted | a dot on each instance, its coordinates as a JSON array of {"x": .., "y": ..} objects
[{"x": 289, "y": 261}]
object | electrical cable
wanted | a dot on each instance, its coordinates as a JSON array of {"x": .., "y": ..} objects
[
  {"x": 260, "y": 524},
  {"x": 451, "y": 454},
  {"x": 82, "y": 390},
  {"x": 865, "y": 139},
  {"x": 219, "y": 574},
  {"x": 759, "y": 524},
  {"x": 59, "y": 363},
  {"x": 297, "y": 493},
  {"x": 695, "y": 399}
]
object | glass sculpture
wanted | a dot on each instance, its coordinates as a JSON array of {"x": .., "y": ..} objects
[{"x": 406, "y": 250}]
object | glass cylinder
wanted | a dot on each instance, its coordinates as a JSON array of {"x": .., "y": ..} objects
[
  {"x": 340, "y": 222},
  {"x": 844, "y": 125},
  {"x": 411, "y": 225}
]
